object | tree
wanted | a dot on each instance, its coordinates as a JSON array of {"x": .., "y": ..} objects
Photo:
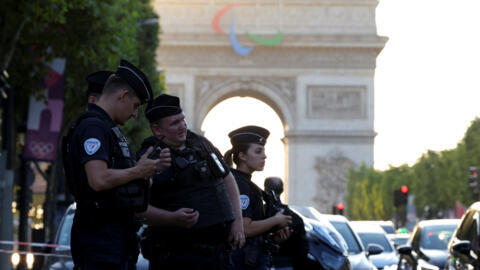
[
  {"x": 437, "y": 180},
  {"x": 90, "y": 35}
]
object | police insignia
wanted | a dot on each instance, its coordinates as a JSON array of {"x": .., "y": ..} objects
[
  {"x": 245, "y": 201},
  {"x": 91, "y": 146}
]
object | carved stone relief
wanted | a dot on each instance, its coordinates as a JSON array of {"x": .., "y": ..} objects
[
  {"x": 332, "y": 180},
  {"x": 285, "y": 86},
  {"x": 336, "y": 102},
  {"x": 186, "y": 56}
]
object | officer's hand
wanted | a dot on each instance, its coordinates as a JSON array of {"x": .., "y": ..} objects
[
  {"x": 185, "y": 217},
  {"x": 282, "y": 220},
  {"x": 237, "y": 234},
  {"x": 165, "y": 160},
  {"x": 146, "y": 167},
  {"x": 282, "y": 235}
]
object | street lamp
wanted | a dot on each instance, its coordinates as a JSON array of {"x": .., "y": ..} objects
[{"x": 15, "y": 259}]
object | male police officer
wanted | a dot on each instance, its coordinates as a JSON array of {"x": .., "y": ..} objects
[
  {"x": 96, "y": 81},
  {"x": 195, "y": 202},
  {"x": 107, "y": 185},
  {"x": 274, "y": 184}
]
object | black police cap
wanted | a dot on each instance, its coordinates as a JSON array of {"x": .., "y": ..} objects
[
  {"x": 249, "y": 134},
  {"x": 163, "y": 106},
  {"x": 136, "y": 79},
  {"x": 96, "y": 81}
]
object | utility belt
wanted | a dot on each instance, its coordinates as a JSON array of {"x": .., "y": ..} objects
[
  {"x": 89, "y": 212},
  {"x": 161, "y": 240}
]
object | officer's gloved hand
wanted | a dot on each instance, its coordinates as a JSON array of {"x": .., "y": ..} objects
[{"x": 146, "y": 167}]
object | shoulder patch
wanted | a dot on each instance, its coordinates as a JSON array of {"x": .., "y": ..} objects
[
  {"x": 91, "y": 145},
  {"x": 244, "y": 201}
]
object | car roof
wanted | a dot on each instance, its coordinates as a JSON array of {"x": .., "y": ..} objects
[
  {"x": 366, "y": 227},
  {"x": 434, "y": 222},
  {"x": 337, "y": 218},
  {"x": 475, "y": 206}
]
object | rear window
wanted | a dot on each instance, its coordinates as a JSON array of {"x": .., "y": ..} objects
[
  {"x": 375, "y": 238},
  {"x": 64, "y": 230},
  {"x": 348, "y": 236},
  {"x": 436, "y": 237},
  {"x": 388, "y": 229}
]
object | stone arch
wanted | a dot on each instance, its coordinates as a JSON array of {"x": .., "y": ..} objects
[{"x": 273, "y": 96}]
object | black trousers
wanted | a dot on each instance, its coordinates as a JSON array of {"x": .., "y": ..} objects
[{"x": 190, "y": 259}]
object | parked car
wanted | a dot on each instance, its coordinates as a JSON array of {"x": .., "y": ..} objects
[
  {"x": 326, "y": 248},
  {"x": 62, "y": 239},
  {"x": 373, "y": 234},
  {"x": 357, "y": 254},
  {"x": 399, "y": 239},
  {"x": 464, "y": 249},
  {"x": 427, "y": 246}
]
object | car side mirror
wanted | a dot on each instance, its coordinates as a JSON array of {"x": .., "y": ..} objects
[
  {"x": 404, "y": 250},
  {"x": 462, "y": 247},
  {"x": 373, "y": 249}
]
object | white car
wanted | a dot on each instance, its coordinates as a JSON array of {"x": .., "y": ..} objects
[
  {"x": 372, "y": 234},
  {"x": 64, "y": 261}
]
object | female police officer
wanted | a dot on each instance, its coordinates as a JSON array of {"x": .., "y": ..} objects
[{"x": 248, "y": 153}]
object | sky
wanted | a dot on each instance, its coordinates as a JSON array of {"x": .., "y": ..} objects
[
  {"x": 427, "y": 85},
  {"x": 427, "y": 88}
]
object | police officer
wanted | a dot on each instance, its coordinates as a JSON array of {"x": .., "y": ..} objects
[
  {"x": 195, "y": 205},
  {"x": 248, "y": 153},
  {"x": 107, "y": 184},
  {"x": 96, "y": 81},
  {"x": 293, "y": 251},
  {"x": 274, "y": 184}
]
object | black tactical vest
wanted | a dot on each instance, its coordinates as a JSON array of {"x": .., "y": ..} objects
[
  {"x": 192, "y": 182},
  {"x": 128, "y": 198}
]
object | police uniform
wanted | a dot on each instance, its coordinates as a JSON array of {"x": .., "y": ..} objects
[
  {"x": 195, "y": 180},
  {"x": 253, "y": 255},
  {"x": 104, "y": 228}
]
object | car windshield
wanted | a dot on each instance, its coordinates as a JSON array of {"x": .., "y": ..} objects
[
  {"x": 66, "y": 227},
  {"x": 400, "y": 241},
  {"x": 375, "y": 238},
  {"x": 437, "y": 236},
  {"x": 347, "y": 234},
  {"x": 388, "y": 228}
]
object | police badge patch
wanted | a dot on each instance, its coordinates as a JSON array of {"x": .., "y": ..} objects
[
  {"x": 91, "y": 146},
  {"x": 244, "y": 201}
]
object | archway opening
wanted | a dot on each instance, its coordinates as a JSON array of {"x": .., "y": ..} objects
[{"x": 236, "y": 112}]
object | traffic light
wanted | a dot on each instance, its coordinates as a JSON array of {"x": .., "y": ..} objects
[
  {"x": 473, "y": 179},
  {"x": 400, "y": 196},
  {"x": 338, "y": 209}
]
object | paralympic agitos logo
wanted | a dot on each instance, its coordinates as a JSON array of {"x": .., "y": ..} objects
[{"x": 239, "y": 49}]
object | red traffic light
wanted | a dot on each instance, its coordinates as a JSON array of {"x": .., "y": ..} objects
[
  {"x": 474, "y": 173},
  {"x": 340, "y": 206},
  {"x": 404, "y": 189}
]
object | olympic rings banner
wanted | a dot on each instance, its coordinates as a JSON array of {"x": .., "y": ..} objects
[
  {"x": 45, "y": 117},
  {"x": 237, "y": 47}
]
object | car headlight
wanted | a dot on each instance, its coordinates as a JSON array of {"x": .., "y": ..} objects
[{"x": 423, "y": 265}]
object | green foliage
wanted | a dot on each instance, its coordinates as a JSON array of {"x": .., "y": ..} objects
[
  {"x": 436, "y": 180},
  {"x": 91, "y": 35}
]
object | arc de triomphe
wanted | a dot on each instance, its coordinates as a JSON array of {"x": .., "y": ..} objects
[{"x": 312, "y": 61}]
